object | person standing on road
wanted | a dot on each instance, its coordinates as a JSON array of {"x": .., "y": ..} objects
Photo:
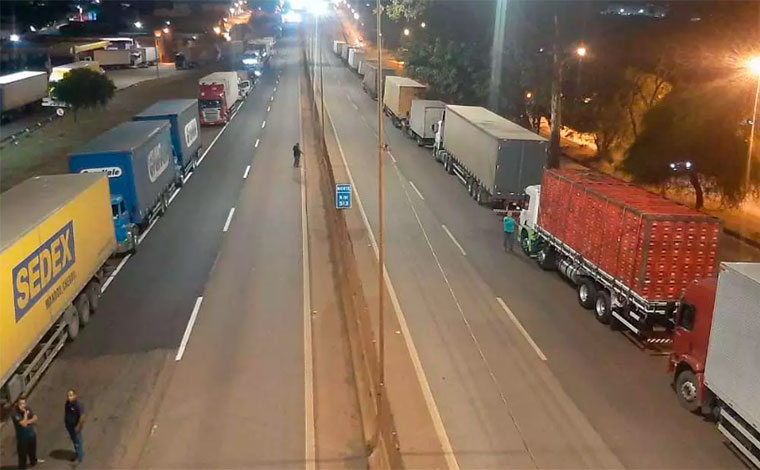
[
  {"x": 296, "y": 154},
  {"x": 509, "y": 233},
  {"x": 24, "y": 420},
  {"x": 73, "y": 418}
]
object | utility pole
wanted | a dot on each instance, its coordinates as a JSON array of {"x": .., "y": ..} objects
[
  {"x": 497, "y": 54},
  {"x": 556, "y": 101},
  {"x": 380, "y": 239}
]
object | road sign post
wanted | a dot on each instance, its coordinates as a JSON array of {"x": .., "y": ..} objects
[{"x": 342, "y": 196}]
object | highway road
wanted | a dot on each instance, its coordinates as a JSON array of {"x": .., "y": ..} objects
[
  {"x": 228, "y": 391},
  {"x": 501, "y": 403}
]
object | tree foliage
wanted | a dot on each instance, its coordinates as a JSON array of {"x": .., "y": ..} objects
[
  {"x": 405, "y": 9},
  {"x": 84, "y": 88},
  {"x": 706, "y": 126}
]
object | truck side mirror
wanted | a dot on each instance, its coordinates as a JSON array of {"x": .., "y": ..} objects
[{"x": 686, "y": 316}]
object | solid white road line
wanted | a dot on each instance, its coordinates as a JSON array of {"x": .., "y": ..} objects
[
  {"x": 263, "y": 124},
  {"x": 308, "y": 356},
  {"x": 521, "y": 329},
  {"x": 427, "y": 393},
  {"x": 229, "y": 220},
  {"x": 112, "y": 276},
  {"x": 188, "y": 329},
  {"x": 150, "y": 227},
  {"x": 416, "y": 190},
  {"x": 174, "y": 194},
  {"x": 451, "y": 235},
  {"x": 247, "y": 170},
  {"x": 256, "y": 145}
]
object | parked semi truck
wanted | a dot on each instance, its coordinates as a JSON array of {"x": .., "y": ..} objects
[
  {"x": 217, "y": 94},
  {"x": 345, "y": 51},
  {"x": 182, "y": 115},
  {"x": 21, "y": 90},
  {"x": 397, "y": 99},
  {"x": 355, "y": 56},
  {"x": 56, "y": 237},
  {"x": 494, "y": 158},
  {"x": 630, "y": 253},
  {"x": 369, "y": 82},
  {"x": 715, "y": 355},
  {"x": 137, "y": 158},
  {"x": 60, "y": 71},
  {"x": 424, "y": 118}
]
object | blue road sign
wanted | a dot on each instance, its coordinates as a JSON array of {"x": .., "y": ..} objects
[{"x": 343, "y": 196}]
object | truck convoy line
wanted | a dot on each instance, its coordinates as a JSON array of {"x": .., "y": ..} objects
[
  {"x": 217, "y": 94},
  {"x": 57, "y": 236},
  {"x": 397, "y": 99},
  {"x": 638, "y": 260}
]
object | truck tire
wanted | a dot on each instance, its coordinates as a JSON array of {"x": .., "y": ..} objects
[
  {"x": 687, "y": 391},
  {"x": 603, "y": 307},
  {"x": 586, "y": 293},
  {"x": 82, "y": 304},
  {"x": 71, "y": 317},
  {"x": 133, "y": 241},
  {"x": 419, "y": 141},
  {"x": 93, "y": 295},
  {"x": 546, "y": 259}
]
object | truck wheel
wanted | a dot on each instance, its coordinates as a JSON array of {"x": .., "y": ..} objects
[
  {"x": 687, "y": 390},
  {"x": 82, "y": 305},
  {"x": 450, "y": 168},
  {"x": 419, "y": 141},
  {"x": 93, "y": 295},
  {"x": 546, "y": 259},
  {"x": 71, "y": 317},
  {"x": 133, "y": 241},
  {"x": 586, "y": 293},
  {"x": 603, "y": 307}
]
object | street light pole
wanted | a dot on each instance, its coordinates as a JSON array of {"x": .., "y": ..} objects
[
  {"x": 752, "y": 136},
  {"x": 158, "y": 58}
]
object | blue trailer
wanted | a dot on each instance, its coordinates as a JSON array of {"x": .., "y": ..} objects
[
  {"x": 137, "y": 157},
  {"x": 183, "y": 116}
]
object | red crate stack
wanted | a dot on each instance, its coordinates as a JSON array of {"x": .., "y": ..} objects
[{"x": 651, "y": 245}]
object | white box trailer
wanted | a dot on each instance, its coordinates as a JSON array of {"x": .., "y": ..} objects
[
  {"x": 355, "y": 56},
  {"x": 494, "y": 158},
  {"x": 21, "y": 89},
  {"x": 115, "y": 58},
  {"x": 423, "y": 120},
  {"x": 149, "y": 55},
  {"x": 338, "y": 47},
  {"x": 732, "y": 368},
  {"x": 369, "y": 82},
  {"x": 398, "y": 96}
]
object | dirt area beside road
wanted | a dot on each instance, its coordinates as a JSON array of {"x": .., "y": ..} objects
[{"x": 44, "y": 152}]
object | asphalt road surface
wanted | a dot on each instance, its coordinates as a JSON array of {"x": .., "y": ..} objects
[
  {"x": 501, "y": 404},
  {"x": 236, "y": 397},
  {"x": 240, "y": 362}
]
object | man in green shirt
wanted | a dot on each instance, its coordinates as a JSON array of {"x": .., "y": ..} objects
[{"x": 509, "y": 233}]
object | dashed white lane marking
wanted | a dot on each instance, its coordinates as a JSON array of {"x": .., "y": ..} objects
[
  {"x": 256, "y": 145},
  {"x": 521, "y": 329},
  {"x": 269, "y": 108},
  {"x": 114, "y": 273},
  {"x": 263, "y": 124},
  {"x": 394, "y": 161},
  {"x": 451, "y": 235},
  {"x": 229, "y": 220},
  {"x": 174, "y": 194},
  {"x": 247, "y": 170},
  {"x": 188, "y": 329},
  {"x": 416, "y": 190},
  {"x": 150, "y": 227}
]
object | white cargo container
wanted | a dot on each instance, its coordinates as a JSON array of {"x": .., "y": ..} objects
[
  {"x": 115, "y": 58},
  {"x": 398, "y": 96},
  {"x": 732, "y": 369},
  {"x": 355, "y": 56},
  {"x": 21, "y": 89},
  {"x": 423, "y": 120},
  {"x": 338, "y": 47}
]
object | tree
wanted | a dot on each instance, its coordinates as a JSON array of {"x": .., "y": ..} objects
[
  {"x": 704, "y": 126},
  {"x": 406, "y": 9},
  {"x": 84, "y": 88}
]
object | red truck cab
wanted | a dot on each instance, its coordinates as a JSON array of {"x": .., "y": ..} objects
[
  {"x": 212, "y": 103},
  {"x": 690, "y": 339}
]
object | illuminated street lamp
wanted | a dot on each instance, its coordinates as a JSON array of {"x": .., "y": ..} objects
[
  {"x": 138, "y": 24},
  {"x": 581, "y": 51},
  {"x": 217, "y": 30},
  {"x": 529, "y": 95},
  {"x": 168, "y": 22},
  {"x": 422, "y": 25},
  {"x": 232, "y": 10},
  {"x": 356, "y": 15},
  {"x": 166, "y": 30},
  {"x": 407, "y": 32},
  {"x": 15, "y": 38}
]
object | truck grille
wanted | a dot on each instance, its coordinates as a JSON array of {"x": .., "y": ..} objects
[{"x": 210, "y": 115}]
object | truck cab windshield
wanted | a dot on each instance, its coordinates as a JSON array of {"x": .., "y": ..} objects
[{"x": 210, "y": 104}]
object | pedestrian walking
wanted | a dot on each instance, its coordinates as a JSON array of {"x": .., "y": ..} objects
[
  {"x": 73, "y": 418},
  {"x": 24, "y": 421},
  {"x": 296, "y": 154},
  {"x": 509, "y": 233}
]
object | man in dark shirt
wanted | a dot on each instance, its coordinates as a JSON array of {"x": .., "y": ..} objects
[
  {"x": 74, "y": 420},
  {"x": 26, "y": 439},
  {"x": 296, "y": 154}
]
